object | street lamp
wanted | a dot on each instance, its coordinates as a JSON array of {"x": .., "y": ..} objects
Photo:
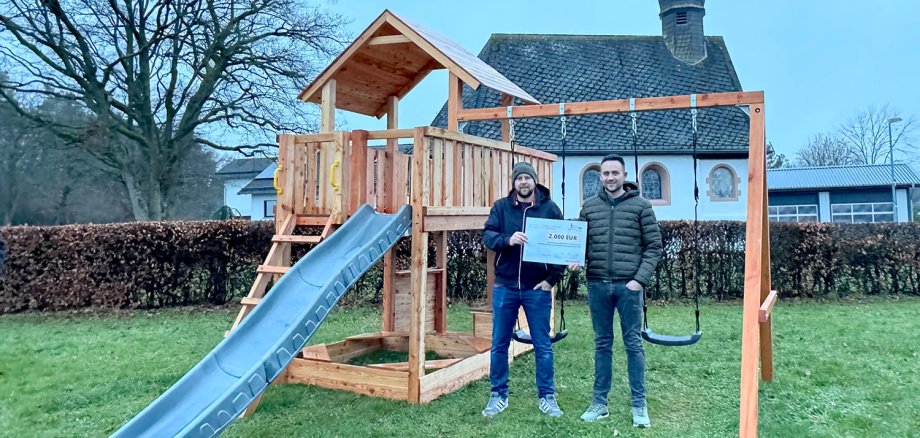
[{"x": 894, "y": 199}]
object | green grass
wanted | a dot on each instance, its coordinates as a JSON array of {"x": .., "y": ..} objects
[{"x": 842, "y": 369}]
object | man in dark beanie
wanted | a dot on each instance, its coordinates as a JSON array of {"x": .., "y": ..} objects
[{"x": 521, "y": 284}]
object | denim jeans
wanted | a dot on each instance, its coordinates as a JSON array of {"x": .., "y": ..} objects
[
  {"x": 537, "y": 306},
  {"x": 603, "y": 298}
]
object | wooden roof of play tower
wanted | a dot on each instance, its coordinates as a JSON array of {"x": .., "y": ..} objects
[{"x": 391, "y": 57}]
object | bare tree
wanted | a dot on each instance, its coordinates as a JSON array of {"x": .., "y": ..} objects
[
  {"x": 17, "y": 160},
  {"x": 824, "y": 150},
  {"x": 866, "y": 135},
  {"x": 775, "y": 160},
  {"x": 156, "y": 78}
]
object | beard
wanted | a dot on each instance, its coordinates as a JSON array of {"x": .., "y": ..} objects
[{"x": 523, "y": 192}]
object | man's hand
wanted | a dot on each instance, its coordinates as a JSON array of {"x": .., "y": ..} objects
[
  {"x": 575, "y": 266},
  {"x": 543, "y": 285},
  {"x": 518, "y": 238},
  {"x": 634, "y": 286}
]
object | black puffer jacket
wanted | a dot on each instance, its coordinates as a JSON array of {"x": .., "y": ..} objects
[
  {"x": 506, "y": 218},
  {"x": 624, "y": 242}
]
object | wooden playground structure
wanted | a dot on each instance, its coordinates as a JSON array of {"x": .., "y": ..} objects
[{"x": 451, "y": 179}]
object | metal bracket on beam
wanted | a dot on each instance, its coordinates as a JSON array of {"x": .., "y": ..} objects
[
  {"x": 509, "y": 112},
  {"x": 693, "y": 101},
  {"x": 632, "y": 104}
]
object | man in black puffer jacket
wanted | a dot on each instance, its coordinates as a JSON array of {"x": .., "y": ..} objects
[
  {"x": 521, "y": 284},
  {"x": 624, "y": 245}
]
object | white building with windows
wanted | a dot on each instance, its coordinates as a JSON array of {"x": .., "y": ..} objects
[
  {"x": 842, "y": 194},
  {"x": 236, "y": 175},
  {"x": 261, "y": 191}
]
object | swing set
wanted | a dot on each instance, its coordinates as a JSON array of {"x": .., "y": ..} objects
[
  {"x": 450, "y": 179},
  {"x": 569, "y": 280}
]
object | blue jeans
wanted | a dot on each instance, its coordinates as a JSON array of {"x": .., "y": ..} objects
[
  {"x": 603, "y": 298},
  {"x": 537, "y": 306}
]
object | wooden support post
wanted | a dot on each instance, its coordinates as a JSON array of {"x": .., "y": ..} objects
[
  {"x": 454, "y": 101},
  {"x": 393, "y": 119},
  {"x": 327, "y": 107},
  {"x": 766, "y": 328},
  {"x": 391, "y": 204},
  {"x": 753, "y": 274},
  {"x": 356, "y": 171},
  {"x": 287, "y": 201},
  {"x": 440, "y": 298},
  {"x": 337, "y": 177},
  {"x": 419, "y": 267}
]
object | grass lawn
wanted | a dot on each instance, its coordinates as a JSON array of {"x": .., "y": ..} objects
[{"x": 842, "y": 369}]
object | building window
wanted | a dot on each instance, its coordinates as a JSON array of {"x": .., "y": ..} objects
[
  {"x": 590, "y": 181},
  {"x": 723, "y": 184},
  {"x": 269, "y": 208},
  {"x": 793, "y": 213},
  {"x": 863, "y": 212},
  {"x": 655, "y": 184}
]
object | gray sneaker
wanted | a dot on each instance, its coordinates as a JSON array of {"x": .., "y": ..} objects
[
  {"x": 549, "y": 406},
  {"x": 595, "y": 412},
  {"x": 640, "y": 417},
  {"x": 496, "y": 404}
]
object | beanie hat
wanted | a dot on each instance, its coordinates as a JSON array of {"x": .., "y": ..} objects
[{"x": 523, "y": 168}]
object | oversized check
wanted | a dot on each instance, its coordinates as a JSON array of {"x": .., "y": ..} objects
[{"x": 556, "y": 242}]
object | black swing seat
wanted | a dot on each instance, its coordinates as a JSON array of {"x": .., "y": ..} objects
[
  {"x": 670, "y": 341},
  {"x": 523, "y": 336}
]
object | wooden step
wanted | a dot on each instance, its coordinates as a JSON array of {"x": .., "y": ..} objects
[
  {"x": 265, "y": 269},
  {"x": 278, "y": 238},
  {"x": 250, "y": 301},
  {"x": 312, "y": 221},
  {"x": 430, "y": 271}
]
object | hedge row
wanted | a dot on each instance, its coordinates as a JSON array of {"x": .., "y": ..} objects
[{"x": 148, "y": 265}]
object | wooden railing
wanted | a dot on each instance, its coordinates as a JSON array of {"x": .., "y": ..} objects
[
  {"x": 311, "y": 173},
  {"x": 463, "y": 175}
]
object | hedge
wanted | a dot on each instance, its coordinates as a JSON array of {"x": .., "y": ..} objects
[{"x": 149, "y": 265}]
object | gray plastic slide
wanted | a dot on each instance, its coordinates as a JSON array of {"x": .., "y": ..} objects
[{"x": 217, "y": 390}]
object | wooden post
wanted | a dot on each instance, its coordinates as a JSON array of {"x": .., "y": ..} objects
[
  {"x": 419, "y": 269},
  {"x": 287, "y": 200},
  {"x": 327, "y": 107},
  {"x": 454, "y": 102},
  {"x": 390, "y": 206},
  {"x": 357, "y": 171},
  {"x": 440, "y": 299},
  {"x": 766, "y": 285},
  {"x": 753, "y": 274}
]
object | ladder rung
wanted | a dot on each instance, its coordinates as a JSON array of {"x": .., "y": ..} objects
[
  {"x": 430, "y": 271},
  {"x": 278, "y": 238},
  {"x": 250, "y": 301},
  {"x": 266, "y": 269}
]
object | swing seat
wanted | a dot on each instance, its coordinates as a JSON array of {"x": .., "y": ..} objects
[
  {"x": 670, "y": 341},
  {"x": 523, "y": 336}
]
